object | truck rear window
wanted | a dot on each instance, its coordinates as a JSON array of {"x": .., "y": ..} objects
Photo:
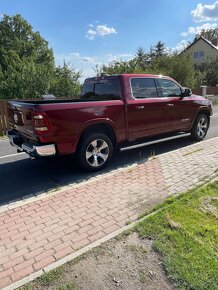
[{"x": 103, "y": 90}]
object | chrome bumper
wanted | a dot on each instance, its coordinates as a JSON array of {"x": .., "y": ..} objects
[{"x": 32, "y": 150}]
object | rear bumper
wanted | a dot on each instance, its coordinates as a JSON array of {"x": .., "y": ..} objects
[{"x": 34, "y": 150}]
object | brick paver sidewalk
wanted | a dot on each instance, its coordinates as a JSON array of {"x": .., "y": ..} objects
[{"x": 43, "y": 231}]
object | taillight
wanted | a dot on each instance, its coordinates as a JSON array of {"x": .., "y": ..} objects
[{"x": 41, "y": 123}]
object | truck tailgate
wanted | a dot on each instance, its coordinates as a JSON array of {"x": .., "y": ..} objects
[{"x": 21, "y": 118}]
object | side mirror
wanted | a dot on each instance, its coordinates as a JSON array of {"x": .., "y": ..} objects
[{"x": 187, "y": 92}]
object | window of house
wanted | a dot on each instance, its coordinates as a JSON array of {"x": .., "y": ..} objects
[
  {"x": 143, "y": 88},
  {"x": 198, "y": 54},
  {"x": 167, "y": 88}
]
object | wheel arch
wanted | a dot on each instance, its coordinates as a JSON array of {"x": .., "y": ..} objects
[
  {"x": 202, "y": 111},
  {"x": 199, "y": 133},
  {"x": 99, "y": 127}
]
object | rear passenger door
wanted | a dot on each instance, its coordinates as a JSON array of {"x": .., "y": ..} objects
[{"x": 146, "y": 112}]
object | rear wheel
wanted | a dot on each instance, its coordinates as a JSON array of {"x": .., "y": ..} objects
[
  {"x": 95, "y": 151},
  {"x": 200, "y": 127}
]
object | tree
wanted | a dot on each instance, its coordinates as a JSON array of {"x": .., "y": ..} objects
[
  {"x": 210, "y": 71},
  {"x": 209, "y": 34},
  {"x": 26, "y": 61},
  {"x": 178, "y": 67},
  {"x": 182, "y": 70},
  {"x": 158, "y": 50},
  {"x": 65, "y": 82},
  {"x": 116, "y": 67},
  {"x": 140, "y": 58}
]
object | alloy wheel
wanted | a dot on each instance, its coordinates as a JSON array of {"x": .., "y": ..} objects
[
  {"x": 202, "y": 127},
  {"x": 97, "y": 152}
]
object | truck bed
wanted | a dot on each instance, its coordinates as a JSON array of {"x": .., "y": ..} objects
[{"x": 56, "y": 101}]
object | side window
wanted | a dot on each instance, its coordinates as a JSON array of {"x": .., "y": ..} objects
[
  {"x": 87, "y": 90},
  {"x": 143, "y": 88},
  {"x": 107, "y": 90},
  {"x": 167, "y": 88},
  {"x": 102, "y": 90}
]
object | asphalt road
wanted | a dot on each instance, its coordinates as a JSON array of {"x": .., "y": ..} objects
[{"x": 21, "y": 176}]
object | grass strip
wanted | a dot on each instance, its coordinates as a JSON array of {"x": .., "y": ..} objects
[{"x": 185, "y": 233}]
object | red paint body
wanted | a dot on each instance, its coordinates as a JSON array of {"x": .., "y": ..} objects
[{"x": 126, "y": 117}]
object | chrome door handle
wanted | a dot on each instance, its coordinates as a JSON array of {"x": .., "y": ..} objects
[
  {"x": 139, "y": 107},
  {"x": 170, "y": 105}
]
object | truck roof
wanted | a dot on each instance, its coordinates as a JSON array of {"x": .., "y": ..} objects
[{"x": 125, "y": 76}]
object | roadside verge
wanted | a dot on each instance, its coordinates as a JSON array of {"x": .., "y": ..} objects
[{"x": 39, "y": 234}]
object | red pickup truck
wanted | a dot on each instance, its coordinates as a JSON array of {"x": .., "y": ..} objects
[{"x": 125, "y": 111}]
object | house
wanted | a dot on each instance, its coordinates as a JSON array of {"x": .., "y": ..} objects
[{"x": 201, "y": 49}]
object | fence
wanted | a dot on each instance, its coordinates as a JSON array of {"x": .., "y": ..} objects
[
  {"x": 209, "y": 91},
  {"x": 4, "y": 123}
]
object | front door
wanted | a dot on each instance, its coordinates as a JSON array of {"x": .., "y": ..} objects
[
  {"x": 146, "y": 112},
  {"x": 179, "y": 109}
]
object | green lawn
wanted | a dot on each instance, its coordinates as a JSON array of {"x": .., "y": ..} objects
[{"x": 185, "y": 233}]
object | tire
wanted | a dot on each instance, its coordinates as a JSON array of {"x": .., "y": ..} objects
[
  {"x": 200, "y": 127},
  {"x": 94, "y": 152}
]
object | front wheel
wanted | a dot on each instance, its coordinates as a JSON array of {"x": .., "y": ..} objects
[
  {"x": 94, "y": 152},
  {"x": 200, "y": 127}
]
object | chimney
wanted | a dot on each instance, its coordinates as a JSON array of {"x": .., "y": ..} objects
[{"x": 215, "y": 41}]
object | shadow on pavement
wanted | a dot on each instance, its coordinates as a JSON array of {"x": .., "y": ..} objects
[{"x": 23, "y": 177}]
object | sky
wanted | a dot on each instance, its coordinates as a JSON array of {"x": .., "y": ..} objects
[{"x": 92, "y": 32}]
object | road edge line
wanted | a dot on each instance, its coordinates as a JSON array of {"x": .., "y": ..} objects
[{"x": 11, "y": 155}]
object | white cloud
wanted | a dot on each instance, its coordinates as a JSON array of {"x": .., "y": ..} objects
[
  {"x": 90, "y": 34},
  {"x": 99, "y": 30},
  {"x": 111, "y": 57},
  {"x": 75, "y": 54},
  {"x": 205, "y": 12},
  {"x": 123, "y": 56},
  {"x": 86, "y": 64},
  {"x": 196, "y": 30},
  {"x": 104, "y": 30},
  {"x": 181, "y": 45},
  {"x": 88, "y": 59}
]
